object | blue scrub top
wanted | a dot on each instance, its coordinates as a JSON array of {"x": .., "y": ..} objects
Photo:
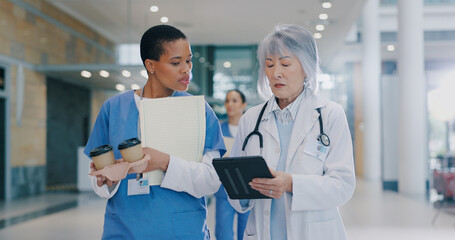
[
  {"x": 164, "y": 213},
  {"x": 225, "y": 129}
]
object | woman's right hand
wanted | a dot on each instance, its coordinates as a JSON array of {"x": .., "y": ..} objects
[{"x": 100, "y": 179}]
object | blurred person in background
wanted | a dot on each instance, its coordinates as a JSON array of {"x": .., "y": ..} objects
[{"x": 235, "y": 104}]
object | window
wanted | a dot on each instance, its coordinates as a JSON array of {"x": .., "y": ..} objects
[{"x": 235, "y": 68}]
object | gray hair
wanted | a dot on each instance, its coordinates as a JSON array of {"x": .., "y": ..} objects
[{"x": 297, "y": 41}]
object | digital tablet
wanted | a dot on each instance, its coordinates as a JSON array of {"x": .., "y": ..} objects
[{"x": 236, "y": 172}]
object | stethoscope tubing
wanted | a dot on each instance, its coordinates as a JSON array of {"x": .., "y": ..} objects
[{"x": 322, "y": 138}]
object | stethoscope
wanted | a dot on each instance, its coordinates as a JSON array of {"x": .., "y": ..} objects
[{"x": 322, "y": 138}]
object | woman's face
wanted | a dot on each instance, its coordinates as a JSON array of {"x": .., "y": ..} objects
[
  {"x": 234, "y": 105},
  {"x": 172, "y": 71},
  {"x": 286, "y": 76}
]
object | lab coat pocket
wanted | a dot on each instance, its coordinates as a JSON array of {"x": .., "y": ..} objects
[
  {"x": 250, "y": 230},
  {"x": 325, "y": 230},
  {"x": 189, "y": 225},
  {"x": 307, "y": 164},
  {"x": 252, "y": 237}
]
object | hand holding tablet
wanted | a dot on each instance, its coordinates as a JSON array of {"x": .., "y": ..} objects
[{"x": 236, "y": 172}]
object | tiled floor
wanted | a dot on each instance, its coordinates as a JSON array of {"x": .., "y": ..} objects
[
  {"x": 28, "y": 208},
  {"x": 81, "y": 222},
  {"x": 375, "y": 214},
  {"x": 371, "y": 214}
]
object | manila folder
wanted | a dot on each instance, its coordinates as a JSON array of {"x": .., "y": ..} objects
[{"x": 173, "y": 125}]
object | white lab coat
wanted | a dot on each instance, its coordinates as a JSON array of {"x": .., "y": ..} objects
[{"x": 319, "y": 187}]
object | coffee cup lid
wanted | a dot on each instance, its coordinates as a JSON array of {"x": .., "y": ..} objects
[
  {"x": 100, "y": 150},
  {"x": 129, "y": 143}
]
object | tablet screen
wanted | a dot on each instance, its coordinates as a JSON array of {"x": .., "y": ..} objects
[{"x": 236, "y": 172}]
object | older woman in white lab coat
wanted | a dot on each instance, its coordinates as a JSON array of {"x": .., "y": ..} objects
[{"x": 313, "y": 175}]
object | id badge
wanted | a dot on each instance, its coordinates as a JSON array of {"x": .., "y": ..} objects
[
  {"x": 138, "y": 187},
  {"x": 316, "y": 149}
]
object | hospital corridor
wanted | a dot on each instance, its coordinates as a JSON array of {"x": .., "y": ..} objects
[{"x": 227, "y": 120}]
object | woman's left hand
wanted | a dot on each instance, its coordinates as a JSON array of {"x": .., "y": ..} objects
[
  {"x": 158, "y": 160},
  {"x": 273, "y": 187}
]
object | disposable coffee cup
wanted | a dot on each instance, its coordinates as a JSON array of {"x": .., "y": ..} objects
[
  {"x": 102, "y": 156},
  {"x": 131, "y": 150}
]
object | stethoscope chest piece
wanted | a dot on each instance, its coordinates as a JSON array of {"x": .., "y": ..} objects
[{"x": 324, "y": 139}]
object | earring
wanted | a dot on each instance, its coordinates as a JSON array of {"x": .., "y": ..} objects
[
  {"x": 151, "y": 72},
  {"x": 306, "y": 83}
]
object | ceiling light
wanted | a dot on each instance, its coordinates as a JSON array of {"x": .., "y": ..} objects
[
  {"x": 120, "y": 87},
  {"x": 86, "y": 74},
  {"x": 154, "y": 9},
  {"x": 324, "y": 77},
  {"x": 227, "y": 64},
  {"x": 201, "y": 59},
  {"x": 327, "y": 85},
  {"x": 126, "y": 73},
  {"x": 104, "y": 74},
  {"x": 320, "y": 27},
  {"x": 323, "y": 16},
  {"x": 164, "y": 19},
  {"x": 144, "y": 73},
  {"x": 326, "y": 4},
  {"x": 134, "y": 86},
  {"x": 390, "y": 47},
  {"x": 317, "y": 35}
]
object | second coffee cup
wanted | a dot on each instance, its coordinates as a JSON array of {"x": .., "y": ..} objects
[{"x": 131, "y": 150}]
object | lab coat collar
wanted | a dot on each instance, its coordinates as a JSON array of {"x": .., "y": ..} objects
[{"x": 268, "y": 121}]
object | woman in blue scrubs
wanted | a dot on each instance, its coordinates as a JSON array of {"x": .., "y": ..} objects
[
  {"x": 176, "y": 209},
  {"x": 235, "y": 104}
]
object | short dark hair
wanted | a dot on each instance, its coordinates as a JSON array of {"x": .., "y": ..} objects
[
  {"x": 242, "y": 96},
  {"x": 152, "y": 41}
]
